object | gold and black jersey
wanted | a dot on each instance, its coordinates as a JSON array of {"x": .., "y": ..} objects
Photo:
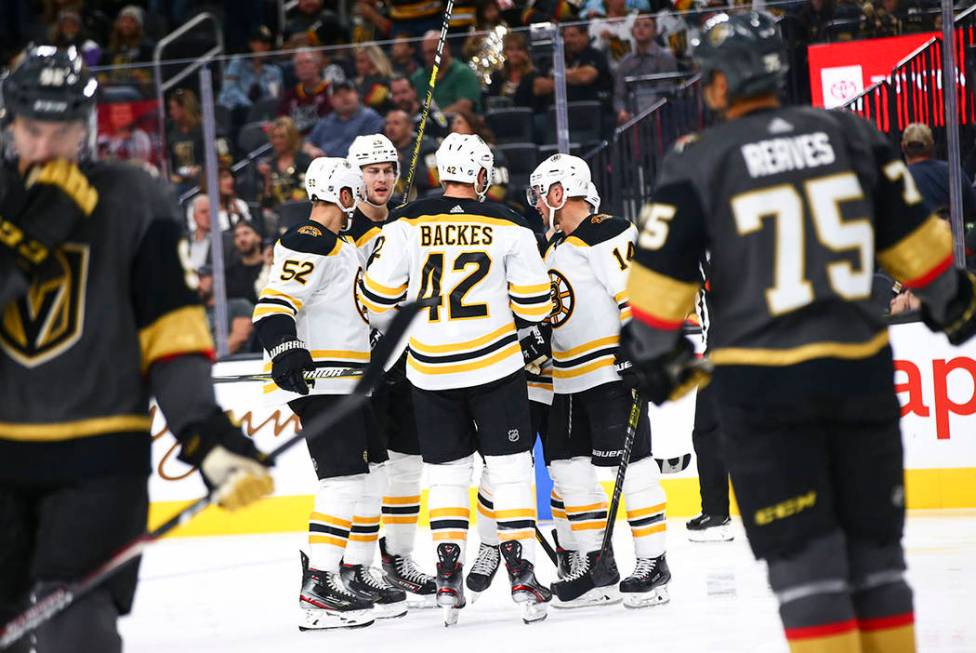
[
  {"x": 796, "y": 207},
  {"x": 75, "y": 350},
  {"x": 408, "y": 10}
]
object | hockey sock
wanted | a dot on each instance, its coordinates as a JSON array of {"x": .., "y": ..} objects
[
  {"x": 563, "y": 529},
  {"x": 448, "y": 501},
  {"x": 585, "y": 503},
  {"x": 331, "y": 520},
  {"x": 512, "y": 477},
  {"x": 401, "y": 502},
  {"x": 366, "y": 519},
  {"x": 645, "y": 507},
  {"x": 814, "y": 597},
  {"x": 487, "y": 526},
  {"x": 882, "y": 598}
]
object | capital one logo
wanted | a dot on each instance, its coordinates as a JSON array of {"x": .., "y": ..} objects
[{"x": 953, "y": 390}]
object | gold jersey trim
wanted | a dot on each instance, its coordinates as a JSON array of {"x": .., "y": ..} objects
[
  {"x": 456, "y": 368},
  {"x": 920, "y": 252},
  {"x": 660, "y": 296},
  {"x": 794, "y": 355},
  {"x": 84, "y": 428},
  {"x": 183, "y": 331}
]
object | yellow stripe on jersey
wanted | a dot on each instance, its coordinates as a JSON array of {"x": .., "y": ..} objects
[
  {"x": 608, "y": 341},
  {"x": 83, "y": 428},
  {"x": 645, "y": 512},
  {"x": 263, "y": 310},
  {"x": 340, "y": 355},
  {"x": 423, "y": 368},
  {"x": 376, "y": 308},
  {"x": 440, "y": 513},
  {"x": 277, "y": 294},
  {"x": 498, "y": 333},
  {"x": 621, "y": 296},
  {"x": 794, "y": 355},
  {"x": 368, "y": 236},
  {"x": 415, "y": 10},
  {"x": 329, "y": 519},
  {"x": 537, "y": 289},
  {"x": 380, "y": 289},
  {"x": 600, "y": 363},
  {"x": 515, "y": 513},
  {"x": 649, "y": 530},
  {"x": 576, "y": 241},
  {"x": 183, "y": 331},
  {"x": 531, "y": 310},
  {"x": 465, "y": 218},
  {"x": 660, "y": 296},
  {"x": 919, "y": 252}
]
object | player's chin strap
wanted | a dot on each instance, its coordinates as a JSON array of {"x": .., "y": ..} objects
[{"x": 481, "y": 193}]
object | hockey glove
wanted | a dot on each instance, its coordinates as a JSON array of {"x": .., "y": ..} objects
[
  {"x": 959, "y": 324},
  {"x": 228, "y": 461},
  {"x": 667, "y": 377},
  {"x": 39, "y": 215},
  {"x": 289, "y": 362},
  {"x": 535, "y": 342}
]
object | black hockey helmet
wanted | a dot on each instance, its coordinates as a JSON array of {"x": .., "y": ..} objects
[
  {"x": 747, "y": 48},
  {"x": 49, "y": 83}
]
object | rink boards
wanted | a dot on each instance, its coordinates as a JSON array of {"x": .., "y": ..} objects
[{"x": 936, "y": 385}]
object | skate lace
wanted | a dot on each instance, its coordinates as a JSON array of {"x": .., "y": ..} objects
[
  {"x": 645, "y": 566},
  {"x": 579, "y": 566},
  {"x": 487, "y": 561},
  {"x": 336, "y": 585},
  {"x": 369, "y": 576},
  {"x": 575, "y": 561},
  {"x": 408, "y": 569}
]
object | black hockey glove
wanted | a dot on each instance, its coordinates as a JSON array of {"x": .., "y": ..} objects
[
  {"x": 666, "y": 377},
  {"x": 36, "y": 216},
  {"x": 228, "y": 461},
  {"x": 289, "y": 362},
  {"x": 536, "y": 344},
  {"x": 959, "y": 324}
]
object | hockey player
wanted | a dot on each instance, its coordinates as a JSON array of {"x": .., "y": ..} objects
[
  {"x": 92, "y": 284},
  {"x": 308, "y": 317},
  {"x": 377, "y": 157},
  {"x": 588, "y": 261},
  {"x": 481, "y": 262},
  {"x": 795, "y": 205}
]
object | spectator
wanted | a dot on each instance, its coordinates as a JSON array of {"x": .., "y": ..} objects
[
  {"x": 242, "y": 273},
  {"x": 373, "y": 23},
  {"x": 69, "y": 32},
  {"x": 932, "y": 175},
  {"x": 466, "y": 122},
  {"x": 462, "y": 20},
  {"x": 880, "y": 18},
  {"x": 405, "y": 99},
  {"x": 812, "y": 19},
  {"x": 415, "y": 18},
  {"x": 373, "y": 73},
  {"x": 239, "y": 326},
  {"x": 126, "y": 142},
  {"x": 232, "y": 208},
  {"x": 284, "y": 174},
  {"x": 587, "y": 72},
  {"x": 400, "y": 132},
  {"x": 457, "y": 85},
  {"x": 126, "y": 46},
  {"x": 613, "y": 34},
  {"x": 335, "y": 133},
  {"x": 248, "y": 79},
  {"x": 308, "y": 100},
  {"x": 199, "y": 231},
  {"x": 403, "y": 56},
  {"x": 596, "y": 8},
  {"x": 184, "y": 137},
  {"x": 307, "y": 14},
  {"x": 517, "y": 76},
  {"x": 648, "y": 59}
]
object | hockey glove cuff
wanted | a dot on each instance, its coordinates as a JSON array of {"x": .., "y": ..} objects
[
  {"x": 959, "y": 323},
  {"x": 535, "y": 342},
  {"x": 289, "y": 362},
  {"x": 666, "y": 377}
]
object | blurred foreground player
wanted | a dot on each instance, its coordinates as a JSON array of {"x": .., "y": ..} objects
[
  {"x": 99, "y": 314},
  {"x": 794, "y": 205}
]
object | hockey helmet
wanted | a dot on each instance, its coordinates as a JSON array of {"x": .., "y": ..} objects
[
  {"x": 565, "y": 169},
  {"x": 461, "y": 158},
  {"x": 327, "y": 176},
  {"x": 593, "y": 197},
  {"x": 747, "y": 48}
]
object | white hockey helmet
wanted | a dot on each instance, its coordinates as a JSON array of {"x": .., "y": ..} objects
[
  {"x": 593, "y": 197},
  {"x": 327, "y": 176},
  {"x": 374, "y": 148},
  {"x": 461, "y": 157},
  {"x": 566, "y": 169}
]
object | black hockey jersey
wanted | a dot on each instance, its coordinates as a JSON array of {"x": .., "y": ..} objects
[
  {"x": 75, "y": 351},
  {"x": 795, "y": 206}
]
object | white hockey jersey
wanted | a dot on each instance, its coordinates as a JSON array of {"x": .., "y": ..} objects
[
  {"x": 482, "y": 265},
  {"x": 589, "y": 272},
  {"x": 313, "y": 283}
]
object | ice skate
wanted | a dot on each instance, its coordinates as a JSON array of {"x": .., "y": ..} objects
[
  {"x": 591, "y": 584},
  {"x": 483, "y": 570},
  {"x": 648, "y": 585},
  {"x": 567, "y": 560},
  {"x": 450, "y": 577},
  {"x": 325, "y": 603},
  {"x": 401, "y": 571},
  {"x": 710, "y": 528},
  {"x": 531, "y": 595},
  {"x": 389, "y": 602}
]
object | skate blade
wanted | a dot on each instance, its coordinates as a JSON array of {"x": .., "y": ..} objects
[
  {"x": 390, "y": 610},
  {"x": 598, "y": 596},
  {"x": 474, "y": 596},
  {"x": 657, "y": 596},
  {"x": 421, "y": 601},
  {"x": 318, "y": 619},
  {"x": 533, "y": 612},
  {"x": 451, "y": 615},
  {"x": 716, "y": 534}
]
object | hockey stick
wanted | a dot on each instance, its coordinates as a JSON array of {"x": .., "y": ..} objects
[
  {"x": 544, "y": 543},
  {"x": 318, "y": 373},
  {"x": 425, "y": 112},
  {"x": 59, "y": 599},
  {"x": 618, "y": 485}
]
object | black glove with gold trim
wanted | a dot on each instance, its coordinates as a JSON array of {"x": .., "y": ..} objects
[
  {"x": 959, "y": 323},
  {"x": 666, "y": 377}
]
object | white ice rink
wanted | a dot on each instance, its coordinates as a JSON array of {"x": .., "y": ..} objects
[{"x": 239, "y": 594}]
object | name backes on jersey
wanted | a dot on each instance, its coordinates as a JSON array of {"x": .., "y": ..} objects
[
  {"x": 440, "y": 235},
  {"x": 776, "y": 155}
]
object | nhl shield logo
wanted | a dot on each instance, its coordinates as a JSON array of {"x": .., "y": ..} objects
[{"x": 48, "y": 320}]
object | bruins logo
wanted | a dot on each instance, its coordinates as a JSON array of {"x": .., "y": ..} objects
[
  {"x": 355, "y": 296},
  {"x": 309, "y": 230},
  {"x": 48, "y": 320},
  {"x": 563, "y": 299}
]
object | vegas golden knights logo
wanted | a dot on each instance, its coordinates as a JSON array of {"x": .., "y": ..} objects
[
  {"x": 563, "y": 299},
  {"x": 48, "y": 320}
]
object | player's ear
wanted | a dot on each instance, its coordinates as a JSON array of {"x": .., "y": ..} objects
[{"x": 345, "y": 196}]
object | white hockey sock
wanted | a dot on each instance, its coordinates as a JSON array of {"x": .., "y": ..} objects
[
  {"x": 330, "y": 522},
  {"x": 565, "y": 532},
  {"x": 585, "y": 504},
  {"x": 487, "y": 526},
  {"x": 450, "y": 508},
  {"x": 646, "y": 503},
  {"x": 514, "y": 501},
  {"x": 401, "y": 502},
  {"x": 366, "y": 519}
]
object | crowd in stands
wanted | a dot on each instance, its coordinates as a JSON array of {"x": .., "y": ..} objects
[{"x": 305, "y": 88}]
